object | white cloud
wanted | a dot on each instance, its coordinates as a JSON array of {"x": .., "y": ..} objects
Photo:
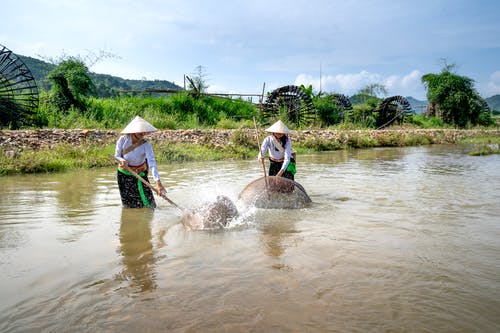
[
  {"x": 346, "y": 84},
  {"x": 407, "y": 85},
  {"x": 411, "y": 79},
  {"x": 351, "y": 83}
]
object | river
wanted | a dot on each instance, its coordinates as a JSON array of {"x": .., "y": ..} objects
[{"x": 396, "y": 240}]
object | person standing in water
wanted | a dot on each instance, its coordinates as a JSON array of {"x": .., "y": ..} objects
[
  {"x": 134, "y": 151},
  {"x": 279, "y": 146}
]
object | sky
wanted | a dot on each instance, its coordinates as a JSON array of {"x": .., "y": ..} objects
[{"x": 250, "y": 46}]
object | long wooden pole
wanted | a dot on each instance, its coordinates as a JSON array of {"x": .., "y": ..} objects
[
  {"x": 163, "y": 195},
  {"x": 258, "y": 145}
]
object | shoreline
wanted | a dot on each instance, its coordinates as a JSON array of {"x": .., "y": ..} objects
[
  {"x": 56, "y": 150},
  {"x": 20, "y": 140}
]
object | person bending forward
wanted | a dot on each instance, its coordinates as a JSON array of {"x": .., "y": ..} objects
[{"x": 134, "y": 151}]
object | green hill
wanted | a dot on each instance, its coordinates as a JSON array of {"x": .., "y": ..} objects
[
  {"x": 107, "y": 85},
  {"x": 494, "y": 103}
]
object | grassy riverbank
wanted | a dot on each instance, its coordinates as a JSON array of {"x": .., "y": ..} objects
[{"x": 210, "y": 145}]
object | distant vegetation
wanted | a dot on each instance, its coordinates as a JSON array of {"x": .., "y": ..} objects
[
  {"x": 106, "y": 85},
  {"x": 454, "y": 99},
  {"x": 73, "y": 97}
]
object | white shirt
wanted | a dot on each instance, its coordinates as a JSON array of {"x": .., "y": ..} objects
[
  {"x": 275, "y": 153},
  {"x": 137, "y": 156}
]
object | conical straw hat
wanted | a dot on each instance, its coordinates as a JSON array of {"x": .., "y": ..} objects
[
  {"x": 138, "y": 125},
  {"x": 278, "y": 127}
]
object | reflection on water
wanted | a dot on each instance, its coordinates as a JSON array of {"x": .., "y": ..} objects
[
  {"x": 136, "y": 248},
  {"x": 75, "y": 192},
  {"x": 398, "y": 239},
  {"x": 277, "y": 233}
]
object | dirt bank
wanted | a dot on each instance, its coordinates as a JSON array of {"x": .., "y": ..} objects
[{"x": 19, "y": 140}]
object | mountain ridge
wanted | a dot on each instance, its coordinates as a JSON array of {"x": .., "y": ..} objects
[{"x": 106, "y": 85}]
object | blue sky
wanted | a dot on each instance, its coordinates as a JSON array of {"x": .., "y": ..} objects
[{"x": 241, "y": 45}]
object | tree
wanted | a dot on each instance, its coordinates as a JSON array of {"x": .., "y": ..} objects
[
  {"x": 365, "y": 104},
  {"x": 197, "y": 84},
  {"x": 373, "y": 90},
  {"x": 453, "y": 99},
  {"x": 71, "y": 83},
  {"x": 328, "y": 109}
]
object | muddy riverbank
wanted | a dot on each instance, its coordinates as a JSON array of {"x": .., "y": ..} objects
[{"x": 20, "y": 140}]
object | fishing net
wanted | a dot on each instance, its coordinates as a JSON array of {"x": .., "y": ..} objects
[
  {"x": 275, "y": 192},
  {"x": 211, "y": 215}
]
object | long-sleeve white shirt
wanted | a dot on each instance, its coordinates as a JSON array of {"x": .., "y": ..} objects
[
  {"x": 275, "y": 153},
  {"x": 137, "y": 156}
]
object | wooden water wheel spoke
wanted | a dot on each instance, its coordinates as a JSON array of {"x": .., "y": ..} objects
[
  {"x": 292, "y": 100},
  {"x": 392, "y": 110},
  {"x": 18, "y": 90}
]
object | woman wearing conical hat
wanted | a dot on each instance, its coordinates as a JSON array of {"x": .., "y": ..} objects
[
  {"x": 279, "y": 147},
  {"x": 134, "y": 151}
]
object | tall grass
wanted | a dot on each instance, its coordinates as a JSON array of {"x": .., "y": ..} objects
[
  {"x": 178, "y": 111},
  {"x": 63, "y": 156}
]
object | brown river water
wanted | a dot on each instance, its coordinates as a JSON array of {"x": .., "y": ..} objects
[{"x": 397, "y": 240}]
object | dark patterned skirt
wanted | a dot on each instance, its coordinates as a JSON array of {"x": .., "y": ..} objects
[
  {"x": 275, "y": 167},
  {"x": 133, "y": 192}
]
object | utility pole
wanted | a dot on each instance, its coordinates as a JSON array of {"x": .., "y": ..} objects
[{"x": 320, "y": 77}]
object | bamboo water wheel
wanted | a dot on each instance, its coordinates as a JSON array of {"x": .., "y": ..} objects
[
  {"x": 392, "y": 110},
  {"x": 18, "y": 91},
  {"x": 293, "y": 101}
]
